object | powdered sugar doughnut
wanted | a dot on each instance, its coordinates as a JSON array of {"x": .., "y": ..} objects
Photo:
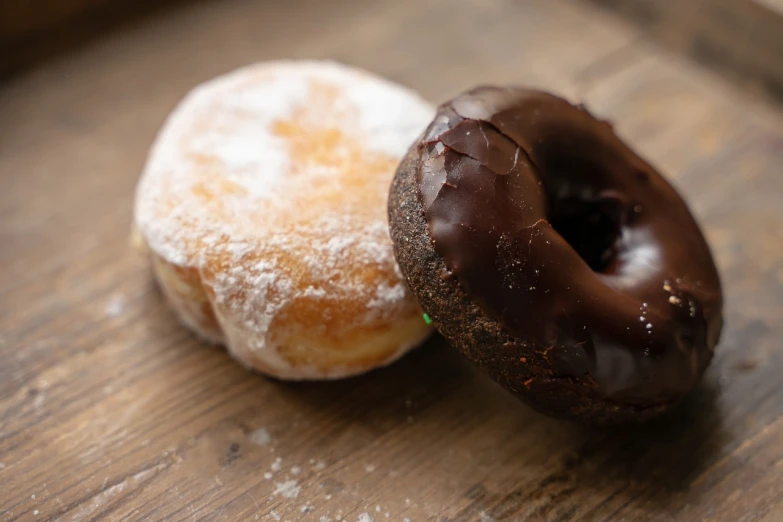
[{"x": 263, "y": 206}]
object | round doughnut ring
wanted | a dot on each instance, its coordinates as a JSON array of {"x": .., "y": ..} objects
[{"x": 554, "y": 257}]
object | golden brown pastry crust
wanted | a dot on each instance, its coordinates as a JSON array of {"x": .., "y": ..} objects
[{"x": 263, "y": 207}]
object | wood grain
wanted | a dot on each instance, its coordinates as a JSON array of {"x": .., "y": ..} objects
[
  {"x": 34, "y": 30},
  {"x": 109, "y": 410},
  {"x": 741, "y": 39}
]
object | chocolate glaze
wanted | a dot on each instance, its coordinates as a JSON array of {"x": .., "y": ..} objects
[{"x": 571, "y": 241}]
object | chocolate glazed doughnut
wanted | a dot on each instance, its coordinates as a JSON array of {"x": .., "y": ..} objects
[{"x": 554, "y": 257}]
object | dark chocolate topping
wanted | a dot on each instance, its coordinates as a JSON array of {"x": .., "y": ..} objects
[{"x": 571, "y": 241}]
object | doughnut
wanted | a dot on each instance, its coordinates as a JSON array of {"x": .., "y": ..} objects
[
  {"x": 262, "y": 208},
  {"x": 554, "y": 257}
]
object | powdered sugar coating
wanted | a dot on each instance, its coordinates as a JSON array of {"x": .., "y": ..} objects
[{"x": 271, "y": 183}]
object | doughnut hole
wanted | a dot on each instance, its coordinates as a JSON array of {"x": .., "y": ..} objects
[{"x": 593, "y": 228}]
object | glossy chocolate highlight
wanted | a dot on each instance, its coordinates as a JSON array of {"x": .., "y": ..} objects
[{"x": 572, "y": 242}]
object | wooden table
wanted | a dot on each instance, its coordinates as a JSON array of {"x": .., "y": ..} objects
[{"x": 110, "y": 410}]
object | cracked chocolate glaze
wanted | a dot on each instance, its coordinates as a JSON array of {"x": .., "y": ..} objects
[{"x": 571, "y": 241}]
